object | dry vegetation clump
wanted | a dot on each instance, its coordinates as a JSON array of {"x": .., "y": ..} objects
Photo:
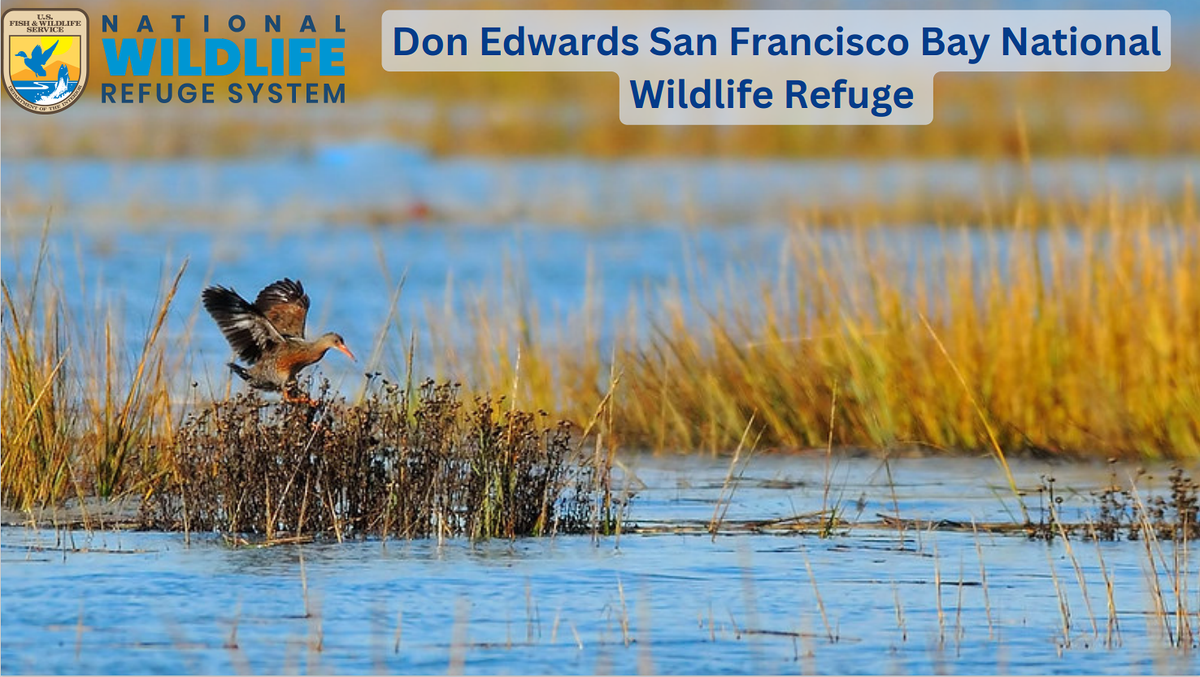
[
  {"x": 406, "y": 461},
  {"x": 1174, "y": 516}
]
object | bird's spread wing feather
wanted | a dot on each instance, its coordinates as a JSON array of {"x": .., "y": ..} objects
[
  {"x": 37, "y": 52},
  {"x": 50, "y": 51},
  {"x": 248, "y": 331},
  {"x": 285, "y": 304}
]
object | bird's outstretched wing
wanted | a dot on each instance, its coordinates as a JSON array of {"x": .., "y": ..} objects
[
  {"x": 285, "y": 304},
  {"x": 50, "y": 51},
  {"x": 246, "y": 328},
  {"x": 37, "y": 52}
]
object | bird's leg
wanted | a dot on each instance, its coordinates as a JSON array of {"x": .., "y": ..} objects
[{"x": 289, "y": 396}]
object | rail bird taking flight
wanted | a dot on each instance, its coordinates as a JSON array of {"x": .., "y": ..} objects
[{"x": 268, "y": 335}]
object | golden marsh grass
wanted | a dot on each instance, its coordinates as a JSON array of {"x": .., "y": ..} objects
[{"x": 1079, "y": 346}]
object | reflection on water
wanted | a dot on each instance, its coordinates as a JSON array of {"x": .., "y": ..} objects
[{"x": 668, "y": 602}]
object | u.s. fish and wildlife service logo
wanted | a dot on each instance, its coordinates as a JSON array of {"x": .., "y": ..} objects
[{"x": 45, "y": 57}]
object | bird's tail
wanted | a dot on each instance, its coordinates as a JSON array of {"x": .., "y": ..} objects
[{"x": 240, "y": 371}]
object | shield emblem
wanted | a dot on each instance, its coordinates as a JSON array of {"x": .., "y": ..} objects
[{"x": 45, "y": 57}]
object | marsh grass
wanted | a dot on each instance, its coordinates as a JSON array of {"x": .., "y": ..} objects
[
  {"x": 36, "y": 464},
  {"x": 75, "y": 408},
  {"x": 402, "y": 462},
  {"x": 1067, "y": 338},
  {"x": 137, "y": 409}
]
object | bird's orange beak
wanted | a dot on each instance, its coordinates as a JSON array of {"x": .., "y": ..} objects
[{"x": 346, "y": 350}]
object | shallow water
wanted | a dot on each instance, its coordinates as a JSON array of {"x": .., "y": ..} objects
[{"x": 667, "y": 602}]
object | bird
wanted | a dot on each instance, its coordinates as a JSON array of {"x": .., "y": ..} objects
[
  {"x": 268, "y": 335},
  {"x": 37, "y": 61}
]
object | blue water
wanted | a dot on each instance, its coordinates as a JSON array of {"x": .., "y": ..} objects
[
  {"x": 24, "y": 88},
  {"x": 667, "y": 602}
]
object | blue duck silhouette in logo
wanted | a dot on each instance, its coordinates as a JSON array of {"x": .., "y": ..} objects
[{"x": 37, "y": 62}]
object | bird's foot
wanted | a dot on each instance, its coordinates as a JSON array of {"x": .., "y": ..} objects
[
  {"x": 299, "y": 399},
  {"x": 312, "y": 404}
]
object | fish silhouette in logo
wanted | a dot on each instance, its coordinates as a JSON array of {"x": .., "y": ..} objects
[
  {"x": 62, "y": 89},
  {"x": 37, "y": 61}
]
